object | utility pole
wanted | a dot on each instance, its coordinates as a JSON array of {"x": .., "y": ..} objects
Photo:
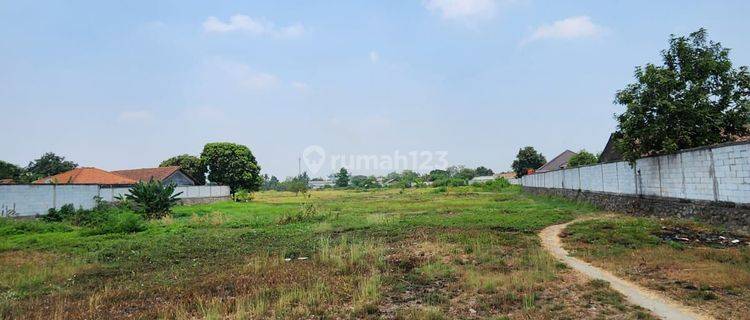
[{"x": 299, "y": 166}]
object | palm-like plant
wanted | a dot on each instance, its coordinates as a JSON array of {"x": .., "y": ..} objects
[{"x": 152, "y": 199}]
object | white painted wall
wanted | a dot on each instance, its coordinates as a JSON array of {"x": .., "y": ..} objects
[
  {"x": 29, "y": 200},
  {"x": 720, "y": 173}
]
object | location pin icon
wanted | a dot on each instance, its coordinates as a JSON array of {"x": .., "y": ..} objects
[{"x": 314, "y": 156}]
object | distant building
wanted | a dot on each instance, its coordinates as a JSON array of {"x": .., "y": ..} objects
[
  {"x": 557, "y": 163},
  {"x": 507, "y": 175},
  {"x": 482, "y": 179},
  {"x": 610, "y": 153},
  {"x": 166, "y": 175},
  {"x": 87, "y": 175},
  {"x": 319, "y": 184}
]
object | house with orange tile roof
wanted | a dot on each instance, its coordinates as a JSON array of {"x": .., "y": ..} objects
[
  {"x": 87, "y": 175},
  {"x": 172, "y": 174}
]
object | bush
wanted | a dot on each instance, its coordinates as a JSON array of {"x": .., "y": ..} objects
[
  {"x": 10, "y": 227},
  {"x": 494, "y": 185},
  {"x": 152, "y": 199},
  {"x": 449, "y": 182},
  {"x": 308, "y": 211},
  {"x": 242, "y": 195},
  {"x": 65, "y": 213},
  {"x": 120, "y": 222},
  {"x": 440, "y": 189}
]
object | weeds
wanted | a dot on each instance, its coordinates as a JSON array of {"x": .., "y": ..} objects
[{"x": 367, "y": 296}]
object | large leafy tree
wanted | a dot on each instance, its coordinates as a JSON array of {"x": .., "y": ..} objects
[
  {"x": 342, "y": 178},
  {"x": 583, "y": 158},
  {"x": 437, "y": 174},
  {"x": 527, "y": 158},
  {"x": 233, "y": 165},
  {"x": 191, "y": 165},
  {"x": 49, "y": 164},
  {"x": 481, "y": 171},
  {"x": 10, "y": 171},
  {"x": 695, "y": 98}
]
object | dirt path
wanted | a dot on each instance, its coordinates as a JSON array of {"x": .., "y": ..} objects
[{"x": 663, "y": 307}]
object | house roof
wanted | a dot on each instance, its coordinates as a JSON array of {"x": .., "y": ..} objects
[
  {"x": 506, "y": 175},
  {"x": 87, "y": 175},
  {"x": 146, "y": 174},
  {"x": 610, "y": 153},
  {"x": 561, "y": 161}
]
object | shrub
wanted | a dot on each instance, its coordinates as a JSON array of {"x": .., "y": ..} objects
[
  {"x": 9, "y": 227},
  {"x": 449, "y": 182},
  {"x": 121, "y": 222},
  {"x": 64, "y": 213},
  {"x": 308, "y": 211},
  {"x": 152, "y": 199},
  {"x": 242, "y": 195},
  {"x": 494, "y": 185}
]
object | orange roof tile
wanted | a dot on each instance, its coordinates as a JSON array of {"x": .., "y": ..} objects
[{"x": 87, "y": 175}]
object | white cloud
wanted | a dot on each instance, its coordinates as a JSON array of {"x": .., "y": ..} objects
[
  {"x": 374, "y": 56},
  {"x": 141, "y": 116},
  {"x": 259, "y": 27},
  {"x": 462, "y": 9},
  {"x": 245, "y": 76},
  {"x": 300, "y": 86},
  {"x": 568, "y": 28}
]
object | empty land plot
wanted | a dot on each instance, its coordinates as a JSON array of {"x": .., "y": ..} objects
[{"x": 406, "y": 254}]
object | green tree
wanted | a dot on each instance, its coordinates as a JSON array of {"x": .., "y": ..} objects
[
  {"x": 695, "y": 98},
  {"x": 407, "y": 178},
  {"x": 482, "y": 171},
  {"x": 437, "y": 174},
  {"x": 527, "y": 158},
  {"x": 364, "y": 182},
  {"x": 10, "y": 171},
  {"x": 233, "y": 165},
  {"x": 342, "y": 178},
  {"x": 583, "y": 158},
  {"x": 465, "y": 174},
  {"x": 297, "y": 184},
  {"x": 192, "y": 165},
  {"x": 270, "y": 183},
  {"x": 152, "y": 199},
  {"x": 49, "y": 164}
]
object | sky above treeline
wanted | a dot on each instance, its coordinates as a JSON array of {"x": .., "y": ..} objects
[{"x": 127, "y": 84}]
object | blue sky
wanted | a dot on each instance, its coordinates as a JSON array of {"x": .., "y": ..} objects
[{"x": 125, "y": 84}]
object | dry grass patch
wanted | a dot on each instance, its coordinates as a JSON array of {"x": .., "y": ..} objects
[{"x": 716, "y": 280}]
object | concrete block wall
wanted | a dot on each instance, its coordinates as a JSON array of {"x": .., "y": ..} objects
[
  {"x": 571, "y": 179},
  {"x": 30, "y": 200},
  {"x": 648, "y": 176},
  {"x": 732, "y": 171},
  {"x": 716, "y": 173},
  {"x": 610, "y": 179},
  {"x": 671, "y": 176},
  {"x": 698, "y": 169},
  {"x": 625, "y": 178}
]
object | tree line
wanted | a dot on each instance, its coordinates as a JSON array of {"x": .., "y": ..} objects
[
  {"x": 223, "y": 163},
  {"x": 451, "y": 176}
]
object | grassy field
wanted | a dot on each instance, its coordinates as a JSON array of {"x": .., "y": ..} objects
[
  {"x": 710, "y": 276},
  {"x": 426, "y": 253}
]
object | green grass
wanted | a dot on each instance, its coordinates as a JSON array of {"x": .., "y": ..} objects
[{"x": 350, "y": 246}]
